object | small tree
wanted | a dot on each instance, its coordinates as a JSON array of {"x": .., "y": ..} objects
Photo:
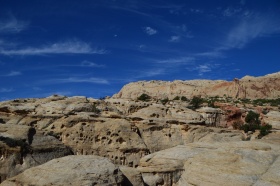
[
  {"x": 196, "y": 102},
  {"x": 252, "y": 118}
]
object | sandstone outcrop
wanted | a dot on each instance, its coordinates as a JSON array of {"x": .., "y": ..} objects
[
  {"x": 70, "y": 170},
  {"x": 21, "y": 148},
  {"x": 155, "y": 142},
  {"x": 248, "y": 87},
  {"x": 273, "y": 118},
  {"x": 234, "y": 163}
]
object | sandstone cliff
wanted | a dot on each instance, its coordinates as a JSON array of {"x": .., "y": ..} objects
[{"x": 248, "y": 87}]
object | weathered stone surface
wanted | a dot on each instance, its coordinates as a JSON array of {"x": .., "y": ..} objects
[
  {"x": 125, "y": 130},
  {"x": 133, "y": 175},
  {"x": 21, "y": 149},
  {"x": 273, "y": 118},
  {"x": 113, "y": 138},
  {"x": 17, "y": 132},
  {"x": 248, "y": 87},
  {"x": 234, "y": 163},
  {"x": 70, "y": 170}
]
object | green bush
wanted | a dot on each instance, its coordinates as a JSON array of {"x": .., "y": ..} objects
[
  {"x": 144, "y": 97},
  {"x": 252, "y": 118},
  {"x": 196, "y": 102},
  {"x": 249, "y": 127},
  {"x": 253, "y": 124},
  {"x": 265, "y": 129}
]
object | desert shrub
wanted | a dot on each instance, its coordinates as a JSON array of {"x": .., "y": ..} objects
[
  {"x": 252, "y": 118},
  {"x": 253, "y": 123},
  {"x": 176, "y": 98},
  {"x": 271, "y": 102},
  {"x": 196, "y": 102},
  {"x": 95, "y": 109},
  {"x": 144, "y": 97},
  {"x": 164, "y": 101},
  {"x": 211, "y": 103},
  {"x": 102, "y": 98},
  {"x": 249, "y": 127},
  {"x": 265, "y": 129},
  {"x": 184, "y": 98},
  {"x": 245, "y": 100}
]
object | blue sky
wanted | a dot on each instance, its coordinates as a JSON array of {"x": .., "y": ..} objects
[{"x": 93, "y": 48}]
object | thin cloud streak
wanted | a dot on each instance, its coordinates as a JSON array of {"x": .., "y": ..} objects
[
  {"x": 12, "y": 25},
  {"x": 6, "y": 90},
  {"x": 79, "y": 80},
  {"x": 13, "y": 73},
  {"x": 182, "y": 60},
  {"x": 69, "y": 47},
  {"x": 151, "y": 73},
  {"x": 90, "y": 64},
  {"x": 249, "y": 29}
]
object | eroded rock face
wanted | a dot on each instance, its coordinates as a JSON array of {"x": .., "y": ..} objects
[
  {"x": 21, "y": 149},
  {"x": 70, "y": 170},
  {"x": 122, "y": 131},
  {"x": 248, "y": 87},
  {"x": 166, "y": 136},
  {"x": 113, "y": 138},
  {"x": 234, "y": 163}
]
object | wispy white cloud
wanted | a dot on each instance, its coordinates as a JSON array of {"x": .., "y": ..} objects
[
  {"x": 196, "y": 10},
  {"x": 13, "y": 73},
  {"x": 80, "y": 80},
  {"x": 230, "y": 11},
  {"x": 249, "y": 29},
  {"x": 6, "y": 90},
  {"x": 211, "y": 54},
  {"x": 182, "y": 31},
  {"x": 68, "y": 47},
  {"x": 12, "y": 25},
  {"x": 90, "y": 64},
  {"x": 150, "y": 31},
  {"x": 151, "y": 73},
  {"x": 174, "y": 39},
  {"x": 203, "y": 68},
  {"x": 181, "y": 60}
]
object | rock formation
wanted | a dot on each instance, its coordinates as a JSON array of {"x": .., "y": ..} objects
[
  {"x": 70, "y": 170},
  {"x": 151, "y": 142},
  {"x": 248, "y": 87}
]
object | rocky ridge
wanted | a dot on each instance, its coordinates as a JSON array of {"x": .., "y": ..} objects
[
  {"x": 140, "y": 142},
  {"x": 247, "y": 87}
]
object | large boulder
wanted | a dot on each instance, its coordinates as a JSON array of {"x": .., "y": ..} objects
[
  {"x": 70, "y": 170},
  {"x": 233, "y": 163},
  {"x": 21, "y": 148}
]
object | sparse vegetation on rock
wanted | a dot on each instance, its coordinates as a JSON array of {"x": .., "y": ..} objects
[
  {"x": 144, "y": 97},
  {"x": 196, "y": 102}
]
